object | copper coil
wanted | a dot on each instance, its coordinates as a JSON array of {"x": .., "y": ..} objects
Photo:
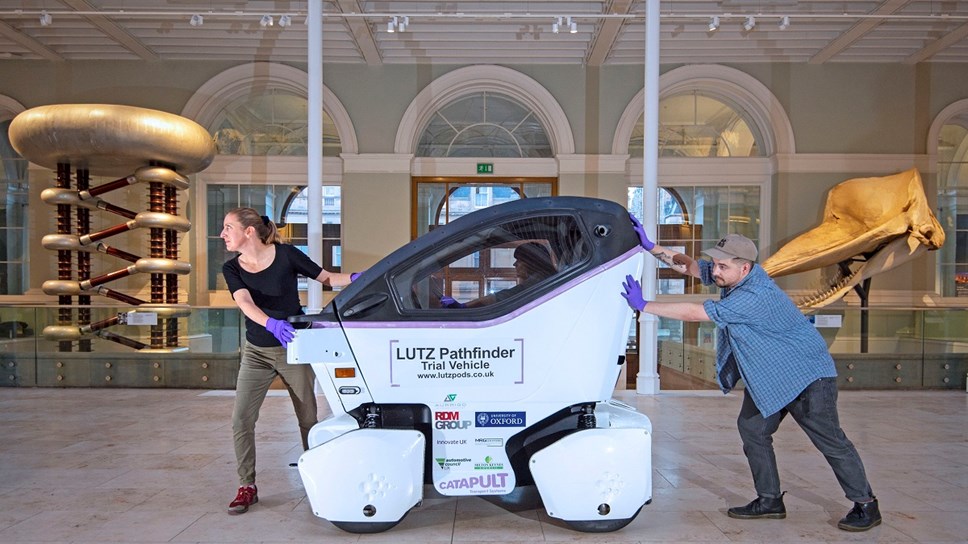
[
  {"x": 63, "y": 219},
  {"x": 171, "y": 339},
  {"x": 157, "y": 336},
  {"x": 63, "y": 175},
  {"x": 64, "y": 268},
  {"x": 84, "y": 318},
  {"x": 157, "y": 288},
  {"x": 171, "y": 244},
  {"x": 156, "y": 196},
  {"x": 171, "y": 288},
  {"x": 83, "y": 179},
  {"x": 83, "y": 266}
]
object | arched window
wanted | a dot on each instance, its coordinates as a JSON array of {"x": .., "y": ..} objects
[
  {"x": 484, "y": 124},
  {"x": 695, "y": 124},
  {"x": 271, "y": 123},
  {"x": 953, "y": 204}
]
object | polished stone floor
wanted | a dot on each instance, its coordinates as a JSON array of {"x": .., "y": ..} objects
[{"x": 97, "y": 465}]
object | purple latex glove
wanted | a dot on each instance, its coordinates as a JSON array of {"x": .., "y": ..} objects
[
  {"x": 282, "y": 330},
  {"x": 354, "y": 275},
  {"x": 633, "y": 294},
  {"x": 448, "y": 302},
  {"x": 643, "y": 237}
]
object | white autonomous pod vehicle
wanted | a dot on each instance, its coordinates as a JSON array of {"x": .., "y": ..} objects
[{"x": 443, "y": 367}]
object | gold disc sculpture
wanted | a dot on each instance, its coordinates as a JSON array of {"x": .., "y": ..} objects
[{"x": 142, "y": 146}]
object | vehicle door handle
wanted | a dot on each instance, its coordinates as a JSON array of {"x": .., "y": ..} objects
[{"x": 368, "y": 302}]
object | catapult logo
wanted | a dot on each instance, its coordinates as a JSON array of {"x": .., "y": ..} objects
[
  {"x": 488, "y": 464},
  {"x": 485, "y": 483},
  {"x": 500, "y": 419},
  {"x": 449, "y": 420}
]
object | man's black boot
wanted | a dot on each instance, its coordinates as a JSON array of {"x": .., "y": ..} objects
[
  {"x": 761, "y": 508},
  {"x": 861, "y": 517}
]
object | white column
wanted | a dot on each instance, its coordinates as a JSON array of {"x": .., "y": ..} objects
[
  {"x": 647, "y": 380},
  {"x": 314, "y": 151}
]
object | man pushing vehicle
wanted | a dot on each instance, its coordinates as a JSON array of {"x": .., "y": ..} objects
[{"x": 765, "y": 340}]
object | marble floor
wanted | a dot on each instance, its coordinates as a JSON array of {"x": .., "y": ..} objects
[{"x": 151, "y": 466}]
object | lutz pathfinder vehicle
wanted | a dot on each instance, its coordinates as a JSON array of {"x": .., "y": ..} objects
[{"x": 482, "y": 399}]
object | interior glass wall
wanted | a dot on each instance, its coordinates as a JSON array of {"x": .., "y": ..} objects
[
  {"x": 13, "y": 217},
  {"x": 286, "y": 206}
]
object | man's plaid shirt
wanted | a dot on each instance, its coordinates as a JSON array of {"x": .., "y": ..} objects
[{"x": 764, "y": 339}]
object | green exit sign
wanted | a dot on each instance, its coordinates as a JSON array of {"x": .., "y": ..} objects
[{"x": 485, "y": 168}]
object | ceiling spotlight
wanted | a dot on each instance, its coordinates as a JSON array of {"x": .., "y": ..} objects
[
  {"x": 556, "y": 26},
  {"x": 266, "y": 21},
  {"x": 784, "y": 23},
  {"x": 750, "y": 23},
  {"x": 572, "y": 26},
  {"x": 285, "y": 20},
  {"x": 45, "y": 19},
  {"x": 714, "y": 23},
  {"x": 404, "y": 23},
  {"x": 392, "y": 25},
  {"x": 196, "y": 20}
]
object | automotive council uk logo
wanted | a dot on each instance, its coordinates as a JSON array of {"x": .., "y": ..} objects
[{"x": 500, "y": 419}]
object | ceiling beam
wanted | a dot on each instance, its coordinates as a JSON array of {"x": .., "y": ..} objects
[
  {"x": 860, "y": 29},
  {"x": 361, "y": 32},
  {"x": 112, "y": 30},
  {"x": 29, "y": 43},
  {"x": 938, "y": 45},
  {"x": 608, "y": 31}
]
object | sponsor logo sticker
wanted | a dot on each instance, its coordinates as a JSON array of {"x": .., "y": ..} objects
[{"x": 500, "y": 419}]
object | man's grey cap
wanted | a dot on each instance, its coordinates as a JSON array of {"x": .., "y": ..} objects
[{"x": 733, "y": 246}]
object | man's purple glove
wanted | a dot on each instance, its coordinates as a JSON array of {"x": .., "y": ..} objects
[
  {"x": 643, "y": 237},
  {"x": 448, "y": 302},
  {"x": 633, "y": 293},
  {"x": 282, "y": 330},
  {"x": 354, "y": 275}
]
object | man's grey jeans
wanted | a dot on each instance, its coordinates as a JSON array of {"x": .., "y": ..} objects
[{"x": 815, "y": 410}]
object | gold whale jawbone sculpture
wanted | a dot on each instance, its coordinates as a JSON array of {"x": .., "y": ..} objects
[
  {"x": 885, "y": 220},
  {"x": 110, "y": 140}
]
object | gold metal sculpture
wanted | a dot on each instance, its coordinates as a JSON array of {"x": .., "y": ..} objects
[
  {"x": 878, "y": 222},
  {"x": 143, "y": 146}
]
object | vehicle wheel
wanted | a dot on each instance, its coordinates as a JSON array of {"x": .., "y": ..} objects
[
  {"x": 599, "y": 526},
  {"x": 365, "y": 527}
]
